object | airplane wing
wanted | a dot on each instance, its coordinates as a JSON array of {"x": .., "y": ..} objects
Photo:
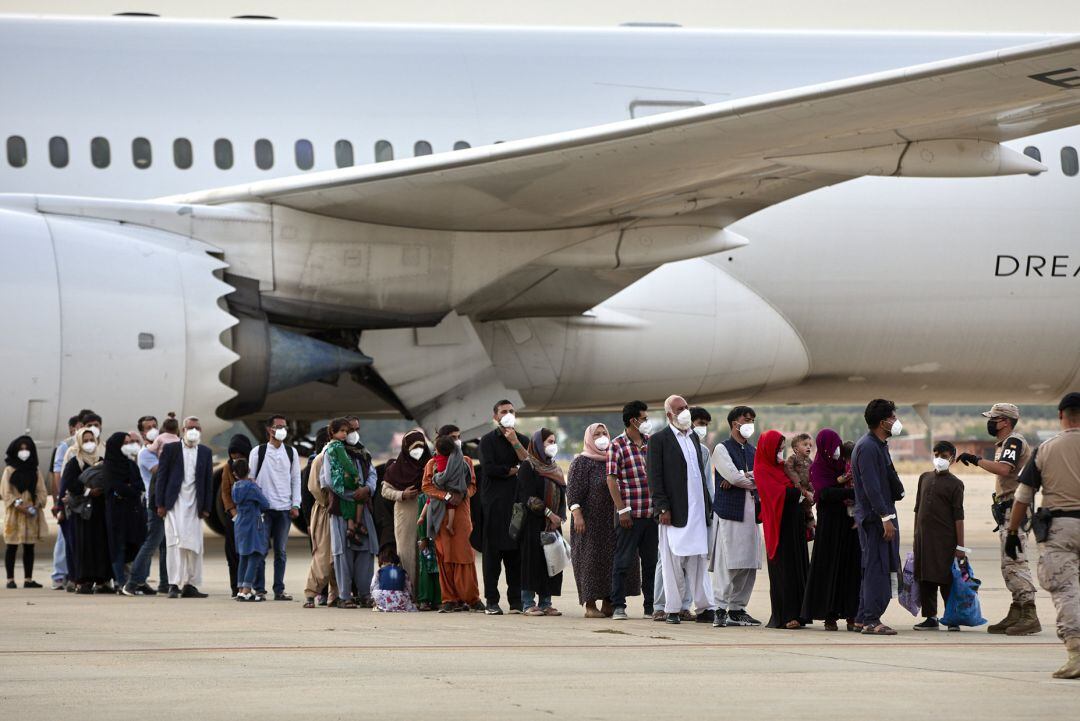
[{"x": 728, "y": 159}]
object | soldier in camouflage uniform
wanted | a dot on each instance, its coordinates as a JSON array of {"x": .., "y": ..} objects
[
  {"x": 1055, "y": 468},
  {"x": 1011, "y": 454}
]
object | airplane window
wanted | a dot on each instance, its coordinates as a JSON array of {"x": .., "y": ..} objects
[
  {"x": 1070, "y": 164},
  {"x": 343, "y": 153},
  {"x": 1032, "y": 152},
  {"x": 181, "y": 151},
  {"x": 16, "y": 151},
  {"x": 461, "y": 145},
  {"x": 223, "y": 157},
  {"x": 140, "y": 152},
  {"x": 264, "y": 154},
  {"x": 383, "y": 151},
  {"x": 422, "y": 147},
  {"x": 58, "y": 152},
  {"x": 305, "y": 155},
  {"x": 99, "y": 152}
]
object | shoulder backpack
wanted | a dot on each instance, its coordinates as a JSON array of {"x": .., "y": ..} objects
[{"x": 262, "y": 456}]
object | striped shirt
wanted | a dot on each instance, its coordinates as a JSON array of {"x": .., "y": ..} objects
[{"x": 626, "y": 462}]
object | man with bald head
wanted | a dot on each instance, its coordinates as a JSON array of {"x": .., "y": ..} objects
[{"x": 680, "y": 497}]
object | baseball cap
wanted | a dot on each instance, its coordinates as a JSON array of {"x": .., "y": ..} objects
[
  {"x": 1071, "y": 400},
  {"x": 1007, "y": 410}
]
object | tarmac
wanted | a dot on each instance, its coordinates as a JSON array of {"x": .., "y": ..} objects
[{"x": 94, "y": 657}]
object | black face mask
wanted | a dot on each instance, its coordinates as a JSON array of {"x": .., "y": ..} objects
[{"x": 991, "y": 427}]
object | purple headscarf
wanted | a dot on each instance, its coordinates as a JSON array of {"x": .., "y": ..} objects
[{"x": 825, "y": 470}]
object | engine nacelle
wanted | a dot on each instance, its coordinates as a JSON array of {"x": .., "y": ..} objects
[{"x": 105, "y": 315}]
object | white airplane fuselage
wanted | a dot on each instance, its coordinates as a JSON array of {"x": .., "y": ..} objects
[{"x": 952, "y": 290}]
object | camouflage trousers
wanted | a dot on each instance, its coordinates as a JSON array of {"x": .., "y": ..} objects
[
  {"x": 1017, "y": 574},
  {"x": 1059, "y": 573}
]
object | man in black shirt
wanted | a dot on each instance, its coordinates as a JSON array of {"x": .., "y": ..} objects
[{"x": 501, "y": 452}]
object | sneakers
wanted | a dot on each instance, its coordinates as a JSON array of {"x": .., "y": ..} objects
[
  {"x": 954, "y": 628},
  {"x": 493, "y": 609},
  {"x": 147, "y": 590},
  {"x": 58, "y": 585},
  {"x": 739, "y": 617},
  {"x": 658, "y": 616},
  {"x": 706, "y": 616},
  {"x": 447, "y": 608},
  {"x": 128, "y": 590},
  {"x": 930, "y": 624},
  {"x": 12, "y": 584},
  {"x": 477, "y": 606},
  {"x": 619, "y": 614},
  {"x": 30, "y": 583},
  {"x": 282, "y": 597},
  {"x": 673, "y": 618},
  {"x": 720, "y": 618},
  {"x": 174, "y": 592}
]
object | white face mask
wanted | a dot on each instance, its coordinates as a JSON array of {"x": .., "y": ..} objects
[
  {"x": 192, "y": 436},
  {"x": 415, "y": 453},
  {"x": 683, "y": 419},
  {"x": 89, "y": 447},
  {"x": 779, "y": 456},
  {"x": 131, "y": 450},
  {"x": 836, "y": 454},
  {"x": 508, "y": 421},
  {"x": 746, "y": 430},
  {"x": 281, "y": 434},
  {"x": 896, "y": 427},
  {"x": 941, "y": 464},
  {"x": 552, "y": 450},
  {"x": 95, "y": 430},
  {"x": 457, "y": 442},
  {"x": 353, "y": 438},
  {"x": 701, "y": 431},
  {"x": 23, "y": 455},
  {"x": 602, "y": 443},
  {"x": 645, "y": 427},
  {"x": 151, "y": 435}
]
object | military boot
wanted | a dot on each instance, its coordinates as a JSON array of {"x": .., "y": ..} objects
[
  {"x": 1071, "y": 669},
  {"x": 1028, "y": 622},
  {"x": 1003, "y": 625}
]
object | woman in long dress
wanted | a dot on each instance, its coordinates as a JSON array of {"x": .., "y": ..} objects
[
  {"x": 592, "y": 529},
  {"x": 401, "y": 485},
  {"x": 93, "y": 564},
  {"x": 125, "y": 510},
  {"x": 22, "y": 488},
  {"x": 832, "y": 590},
  {"x": 784, "y": 524}
]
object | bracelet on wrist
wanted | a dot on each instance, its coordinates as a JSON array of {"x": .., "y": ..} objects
[{"x": 623, "y": 511}]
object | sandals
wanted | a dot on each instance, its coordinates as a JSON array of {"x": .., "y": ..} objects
[
  {"x": 793, "y": 625},
  {"x": 552, "y": 611},
  {"x": 879, "y": 630},
  {"x": 831, "y": 626},
  {"x": 346, "y": 604},
  {"x": 855, "y": 627},
  {"x": 309, "y": 603}
]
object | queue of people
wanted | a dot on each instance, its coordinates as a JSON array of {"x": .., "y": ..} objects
[{"x": 652, "y": 512}]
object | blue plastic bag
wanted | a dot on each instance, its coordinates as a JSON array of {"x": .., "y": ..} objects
[
  {"x": 962, "y": 608},
  {"x": 909, "y": 595}
]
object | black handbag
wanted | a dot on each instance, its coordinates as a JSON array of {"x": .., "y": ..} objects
[{"x": 517, "y": 520}]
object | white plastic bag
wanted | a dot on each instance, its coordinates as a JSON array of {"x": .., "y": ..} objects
[{"x": 556, "y": 552}]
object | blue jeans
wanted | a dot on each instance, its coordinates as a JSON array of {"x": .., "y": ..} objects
[
  {"x": 280, "y": 523},
  {"x": 59, "y": 556},
  {"x": 528, "y": 600},
  {"x": 155, "y": 541},
  {"x": 247, "y": 570}
]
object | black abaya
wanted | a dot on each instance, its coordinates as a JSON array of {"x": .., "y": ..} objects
[
  {"x": 832, "y": 590},
  {"x": 788, "y": 568},
  {"x": 91, "y": 535},
  {"x": 534, "y": 574}
]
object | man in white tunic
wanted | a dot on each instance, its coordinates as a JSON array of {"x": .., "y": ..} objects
[
  {"x": 183, "y": 489},
  {"x": 736, "y": 550},
  {"x": 681, "y": 499}
]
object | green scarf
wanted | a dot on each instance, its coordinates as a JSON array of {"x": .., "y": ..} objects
[{"x": 343, "y": 476}]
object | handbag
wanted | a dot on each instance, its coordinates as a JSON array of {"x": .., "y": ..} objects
[
  {"x": 517, "y": 520},
  {"x": 78, "y": 506},
  {"x": 963, "y": 607},
  {"x": 556, "y": 552}
]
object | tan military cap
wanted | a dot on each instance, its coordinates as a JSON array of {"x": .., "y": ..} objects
[{"x": 1007, "y": 410}]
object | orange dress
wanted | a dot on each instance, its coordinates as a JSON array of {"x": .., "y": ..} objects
[{"x": 457, "y": 562}]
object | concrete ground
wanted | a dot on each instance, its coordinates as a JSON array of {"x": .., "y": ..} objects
[{"x": 65, "y": 656}]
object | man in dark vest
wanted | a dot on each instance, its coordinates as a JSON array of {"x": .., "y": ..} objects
[{"x": 736, "y": 548}]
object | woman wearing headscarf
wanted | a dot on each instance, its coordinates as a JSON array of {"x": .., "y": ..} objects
[
  {"x": 450, "y": 469},
  {"x": 85, "y": 451},
  {"x": 832, "y": 589},
  {"x": 22, "y": 489},
  {"x": 784, "y": 524},
  {"x": 592, "y": 532},
  {"x": 125, "y": 512},
  {"x": 85, "y": 504},
  {"x": 224, "y": 478},
  {"x": 541, "y": 487},
  {"x": 401, "y": 485}
]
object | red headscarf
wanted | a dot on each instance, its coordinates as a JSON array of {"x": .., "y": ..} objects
[{"x": 772, "y": 483}]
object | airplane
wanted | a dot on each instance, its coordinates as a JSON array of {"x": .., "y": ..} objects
[{"x": 230, "y": 217}]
